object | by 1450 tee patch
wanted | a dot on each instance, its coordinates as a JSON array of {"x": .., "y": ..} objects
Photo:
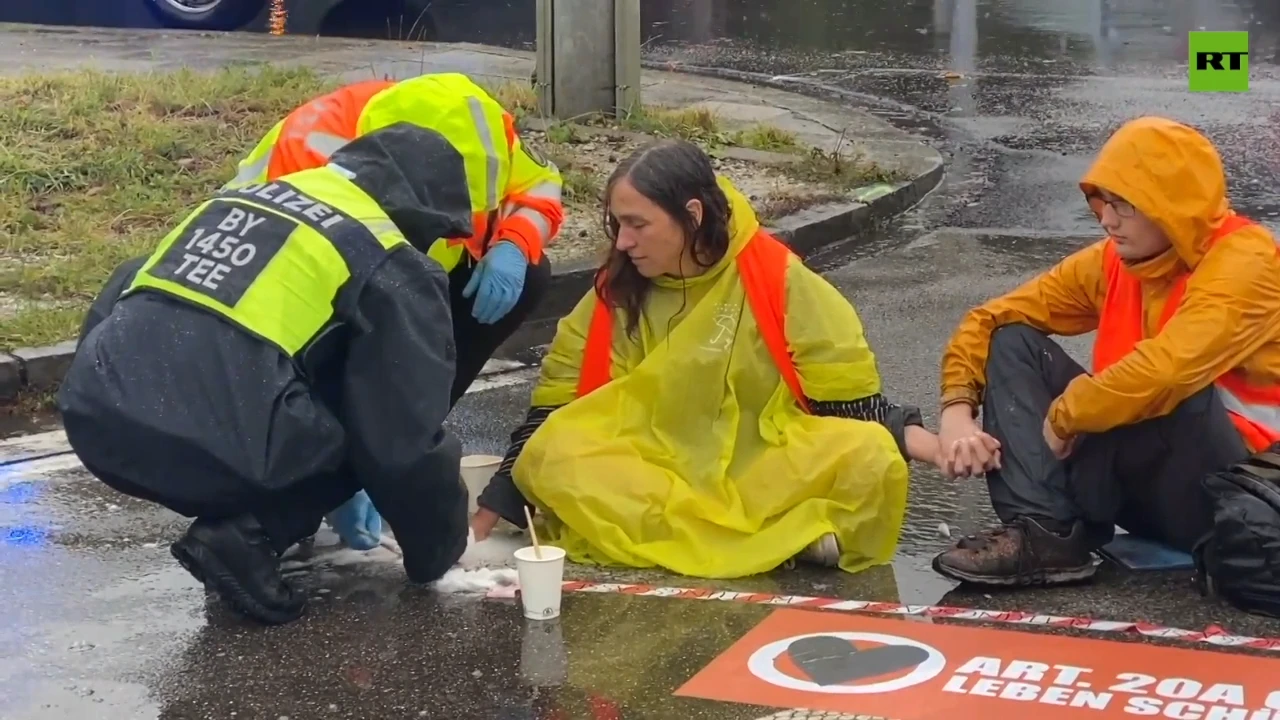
[{"x": 223, "y": 250}]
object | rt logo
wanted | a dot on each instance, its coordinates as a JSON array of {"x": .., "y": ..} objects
[{"x": 1219, "y": 61}]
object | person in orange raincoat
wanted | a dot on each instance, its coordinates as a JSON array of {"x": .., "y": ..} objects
[
  {"x": 1185, "y": 297},
  {"x": 712, "y": 407}
]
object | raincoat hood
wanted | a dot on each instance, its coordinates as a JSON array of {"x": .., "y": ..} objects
[
  {"x": 743, "y": 225},
  {"x": 1173, "y": 175},
  {"x": 416, "y": 176}
]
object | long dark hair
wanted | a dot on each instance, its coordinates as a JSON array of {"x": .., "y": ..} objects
[{"x": 669, "y": 173}]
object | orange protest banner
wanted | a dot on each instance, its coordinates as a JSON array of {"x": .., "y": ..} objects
[{"x": 922, "y": 671}]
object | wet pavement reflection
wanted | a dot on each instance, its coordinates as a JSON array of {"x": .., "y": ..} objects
[
  {"x": 100, "y": 622},
  {"x": 469, "y": 659},
  {"x": 1023, "y": 92},
  {"x": 1091, "y": 32}
]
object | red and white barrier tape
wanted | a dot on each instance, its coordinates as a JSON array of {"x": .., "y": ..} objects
[{"x": 1212, "y": 635}]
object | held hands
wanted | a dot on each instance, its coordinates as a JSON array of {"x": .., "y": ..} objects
[
  {"x": 497, "y": 282},
  {"x": 964, "y": 450},
  {"x": 357, "y": 522}
]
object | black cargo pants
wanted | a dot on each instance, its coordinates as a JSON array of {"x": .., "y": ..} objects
[
  {"x": 476, "y": 342},
  {"x": 287, "y": 515},
  {"x": 1145, "y": 477}
]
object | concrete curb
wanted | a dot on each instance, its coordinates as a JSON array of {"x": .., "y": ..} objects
[
  {"x": 34, "y": 369},
  {"x": 42, "y": 368},
  {"x": 806, "y": 232}
]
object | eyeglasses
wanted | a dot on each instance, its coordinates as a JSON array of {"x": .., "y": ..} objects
[{"x": 1122, "y": 208}]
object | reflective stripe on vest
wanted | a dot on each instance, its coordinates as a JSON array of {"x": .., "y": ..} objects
[
  {"x": 762, "y": 266},
  {"x": 1255, "y": 411},
  {"x": 274, "y": 259},
  {"x": 474, "y": 123},
  {"x": 306, "y": 137},
  {"x": 253, "y": 168},
  {"x": 311, "y": 133}
]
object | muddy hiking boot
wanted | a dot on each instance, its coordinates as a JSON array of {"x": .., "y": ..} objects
[
  {"x": 1020, "y": 554},
  {"x": 235, "y": 558}
]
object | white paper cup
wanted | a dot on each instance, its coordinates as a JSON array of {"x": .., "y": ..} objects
[
  {"x": 540, "y": 581},
  {"x": 476, "y": 471}
]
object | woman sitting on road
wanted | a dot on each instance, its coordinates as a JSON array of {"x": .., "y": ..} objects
[{"x": 713, "y": 407}]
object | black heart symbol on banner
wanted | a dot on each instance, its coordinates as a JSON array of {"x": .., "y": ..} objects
[{"x": 832, "y": 661}]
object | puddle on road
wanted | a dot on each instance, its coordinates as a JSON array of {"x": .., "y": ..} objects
[
  {"x": 16, "y": 423},
  {"x": 126, "y": 634},
  {"x": 70, "y": 508}
]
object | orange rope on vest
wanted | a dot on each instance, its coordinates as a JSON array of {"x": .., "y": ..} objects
[
  {"x": 1120, "y": 329},
  {"x": 762, "y": 265}
]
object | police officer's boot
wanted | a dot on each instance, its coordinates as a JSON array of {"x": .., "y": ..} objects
[{"x": 236, "y": 558}]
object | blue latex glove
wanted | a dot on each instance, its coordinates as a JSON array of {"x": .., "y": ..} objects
[
  {"x": 497, "y": 282},
  {"x": 357, "y": 522}
]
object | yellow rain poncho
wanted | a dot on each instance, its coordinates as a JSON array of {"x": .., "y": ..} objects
[{"x": 696, "y": 457}]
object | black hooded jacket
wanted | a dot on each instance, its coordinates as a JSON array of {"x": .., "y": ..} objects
[{"x": 167, "y": 401}]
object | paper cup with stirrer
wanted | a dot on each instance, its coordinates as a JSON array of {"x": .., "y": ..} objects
[{"x": 541, "y": 572}]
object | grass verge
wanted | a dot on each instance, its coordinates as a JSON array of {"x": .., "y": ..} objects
[
  {"x": 96, "y": 167},
  {"x": 836, "y": 168}
]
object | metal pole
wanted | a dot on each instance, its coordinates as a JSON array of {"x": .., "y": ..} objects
[
  {"x": 543, "y": 63},
  {"x": 588, "y": 57},
  {"x": 626, "y": 28}
]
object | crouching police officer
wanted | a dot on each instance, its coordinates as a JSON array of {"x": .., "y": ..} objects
[
  {"x": 289, "y": 344},
  {"x": 499, "y": 274}
]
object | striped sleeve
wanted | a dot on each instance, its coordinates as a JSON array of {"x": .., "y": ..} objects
[
  {"x": 501, "y": 495},
  {"x": 877, "y": 409}
]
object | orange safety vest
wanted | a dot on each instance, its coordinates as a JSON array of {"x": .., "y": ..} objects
[
  {"x": 337, "y": 114},
  {"x": 762, "y": 265},
  {"x": 1120, "y": 328}
]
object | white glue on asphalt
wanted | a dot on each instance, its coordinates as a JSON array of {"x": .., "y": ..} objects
[{"x": 484, "y": 565}]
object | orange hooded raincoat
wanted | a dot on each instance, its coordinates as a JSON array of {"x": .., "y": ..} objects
[{"x": 1228, "y": 318}]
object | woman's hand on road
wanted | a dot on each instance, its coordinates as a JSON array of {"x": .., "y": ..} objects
[{"x": 483, "y": 522}]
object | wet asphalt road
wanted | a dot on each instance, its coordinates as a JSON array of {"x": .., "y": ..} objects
[{"x": 100, "y": 623}]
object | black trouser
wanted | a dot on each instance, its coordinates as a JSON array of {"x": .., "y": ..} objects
[
  {"x": 1144, "y": 477},
  {"x": 476, "y": 342},
  {"x": 287, "y": 516},
  {"x": 296, "y": 514}
]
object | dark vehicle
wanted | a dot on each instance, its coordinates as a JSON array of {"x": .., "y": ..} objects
[
  {"x": 205, "y": 14},
  {"x": 387, "y": 19}
]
